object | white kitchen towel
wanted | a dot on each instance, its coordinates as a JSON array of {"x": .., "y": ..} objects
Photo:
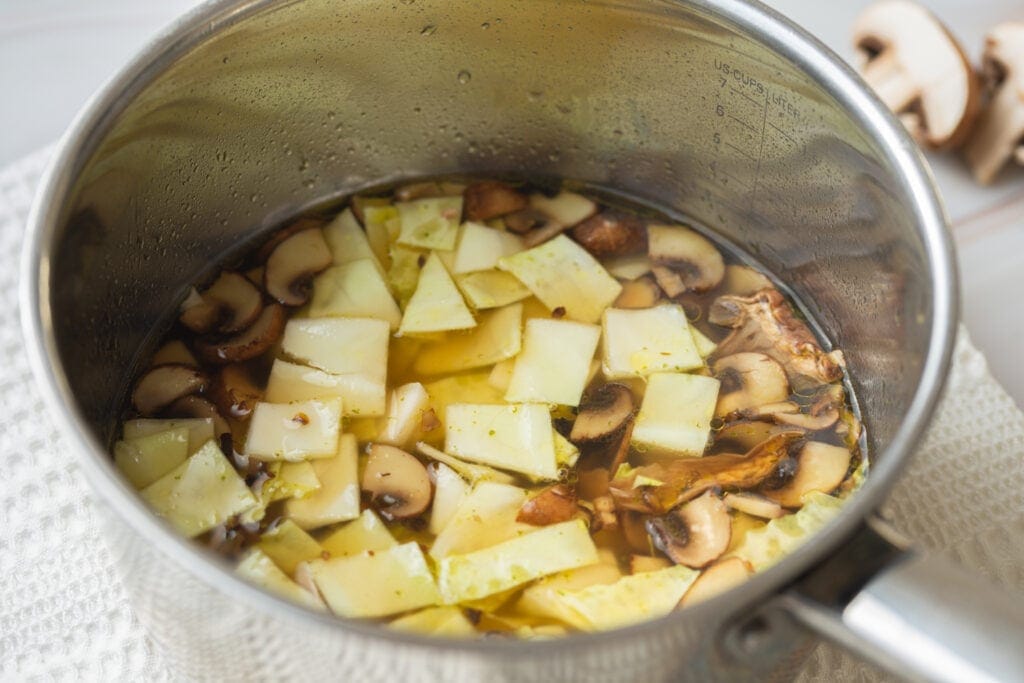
[{"x": 64, "y": 616}]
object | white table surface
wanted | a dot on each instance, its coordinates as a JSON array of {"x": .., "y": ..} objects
[{"x": 55, "y": 53}]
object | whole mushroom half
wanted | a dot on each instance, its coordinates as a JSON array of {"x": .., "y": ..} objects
[
  {"x": 1000, "y": 129},
  {"x": 397, "y": 482},
  {"x": 917, "y": 68},
  {"x": 695, "y": 534}
]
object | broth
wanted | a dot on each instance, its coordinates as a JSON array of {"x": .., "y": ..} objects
[{"x": 473, "y": 407}]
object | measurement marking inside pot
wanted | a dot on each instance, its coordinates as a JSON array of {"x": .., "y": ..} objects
[
  {"x": 745, "y": 95},
  {"x": 734, "y": 179},
  {"x": 760, "y": 152},
  {"x": 741, "y": 151},
  {"x": 783, "y": 134},
  {"x": 742, "y": 123}
]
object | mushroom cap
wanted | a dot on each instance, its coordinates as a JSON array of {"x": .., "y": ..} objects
[
  {"x": 292, "y": 265},
  {"x": 1000, "y": 127},
  {"x": 397, "y": 482},
  {"x": 249, "y": 343},
  {"x": 694, "y": 534},
  {"x": 693, "y": 257},
  {"x": 164, "y": 384},
  {"x": 819, "y": 467},
  {"x": 749, "y": 380},
  {"x": 914, "y": 64}
]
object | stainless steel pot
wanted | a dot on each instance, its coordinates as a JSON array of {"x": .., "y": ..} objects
[{"x": 244, "y": 112}]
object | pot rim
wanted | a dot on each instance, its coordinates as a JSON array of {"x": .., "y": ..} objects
[{"x": 212, "y": 17}]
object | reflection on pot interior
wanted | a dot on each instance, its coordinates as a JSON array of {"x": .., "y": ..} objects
[{"x": 478, "y": 407}]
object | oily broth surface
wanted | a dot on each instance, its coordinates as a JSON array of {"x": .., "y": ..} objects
[{"x": 278, "y": 554}]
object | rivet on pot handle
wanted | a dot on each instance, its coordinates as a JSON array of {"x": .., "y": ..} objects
[{"x": 913, "y": 613}]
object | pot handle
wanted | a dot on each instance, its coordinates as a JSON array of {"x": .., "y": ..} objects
[{"x": 915, "y": 614}]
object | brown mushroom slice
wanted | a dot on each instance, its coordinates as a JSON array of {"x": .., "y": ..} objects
[
  {"x": 239, "y": 300},
  {"x": 669, "y": 280},
  {"x": 198, "y": 314},
  {"x": 487, "y": 199},
  {"x": 543, "y": 234},
  {"x": 639, "y": 293},
  {"x": 694, "y": 257},
  {"x": 743, "y": 281},
  {"x": 196, "y": 406},
  {"x": 765, "y": 322},
  {"x": 1000, "y": 128},
  {"x": 397, "y": 482},
  {"x": 175, "y": 352},
  {"x": 753, "y": 504},
  {"x": 694, "y": 534},
  {"x": 686, "y": 478},
  {"x": 604, "y": 516},
  {"x": 234, "y": 392},
  {"x": 247, "y": 344},
  {"x": 592, "y": 482},
  {"x": 528, "y": 220},
  {"x": 165, "y": 384},
  {"x": 603, "y": 412},
  {"x": 715, "y": 580},
  {"x": 292, "y": 265},
  {"x": 611, "y": 233},
  {"x": 917, "y": 68},
  {"x": 748, "y": 380},
  {"x": 819, "y": 467},
  {"x": 552, "y": 505},
  {"x": 298, "y": 225}
]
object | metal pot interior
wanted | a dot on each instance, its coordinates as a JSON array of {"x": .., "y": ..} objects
[{"x": 252, "y": 111}]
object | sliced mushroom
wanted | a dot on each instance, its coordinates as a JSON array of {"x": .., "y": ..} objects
[
  {"x": 1000, "y": 128},
  {"x": 489, "y": 199},
  {"x": 669, "y": 280},
  {"x": 552, "y": 505},
  {"x": 748, "y": 380},
  {"x": 292, "y": 265},
  {"x": 565, "y": 208},
  {"x": 765, "y": 322},
  {"x": 299, "y": 225},
  {"x": 918, "y": 69},
  {"x": 753, "y": 504},
  {"x": 603, "y": 412},
  {"x": 198, "y": 314},
  {"x": 196, "y": 406},
  {"x": 230, "y": 304},
  {"x": 543, "y": 234},
  {"x": 716, "y": 579},
  {"x": 693, "y": 256},
  {"x": 819, "y": 467},
  {"x": 611, "y": 233},
  {"x": 234, "y": 392},
  {"x": 695, "y": 534},
  {"x": 165, "y": 384},
  {"x": 743, "y": 281},
  {"x": 251, "y": 343},
  {"x": 639, "y": 293},
  {"x": 175, "y": 352},
  {"x": 686, "y": 478},
  {"x": 638, "y": 564},
  {"x": 397, "y": 482},
  {"x": 528, "y": 220},
  {"x": 604, "y": 514}
]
